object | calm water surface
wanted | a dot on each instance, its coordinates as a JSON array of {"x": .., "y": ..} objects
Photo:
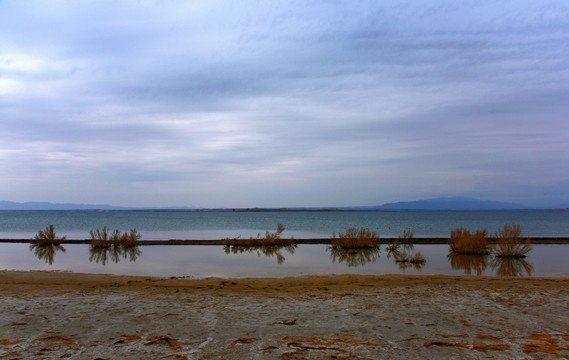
[
  {"x": 203, "y": 261},
  {"x": 163, "y": 225}
]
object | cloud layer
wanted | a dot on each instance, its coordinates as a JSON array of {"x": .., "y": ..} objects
[{"x": 230, "y": 104}]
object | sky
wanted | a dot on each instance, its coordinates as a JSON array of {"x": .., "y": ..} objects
[{"x": 281, "y": 104}]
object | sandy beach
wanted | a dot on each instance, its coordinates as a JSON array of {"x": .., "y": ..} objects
[{"x": 52, "y": 315}]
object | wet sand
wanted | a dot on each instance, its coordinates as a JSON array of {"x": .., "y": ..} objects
[{"x": 52, "y": 315}]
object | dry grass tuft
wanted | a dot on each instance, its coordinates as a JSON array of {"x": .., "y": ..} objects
[
  {"x": 270, "y": 239},
  {"x": 47, "y": 237},
  {"x": 462, "y": 241},
  {"x": 356, "y": 239},
  {"x": 509, "y": 244}
]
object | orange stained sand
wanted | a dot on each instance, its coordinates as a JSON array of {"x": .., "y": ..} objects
[
  {"x": 544, "y": 348},
  {"x": 549, "y": 346},
  {"x": 444, "y": 343},
  {"x": 450, "y": 335},
  {"x": 60, "y": 339},
  {"x": 172, "y": 343},
  {"x": 7, "y": 342},
  {"x": 129, "y": 338},
  {"x": 486, "y": 347},
  {"x": 175, "y": 356},
  {"x": 371, "y": 306},
  {"x": 243, "y": 340},
  {"x": 488, "y": 337},
  {"x": 326, "y": 341}
]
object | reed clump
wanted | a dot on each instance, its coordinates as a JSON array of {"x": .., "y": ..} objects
[
  {"x": 270, "y": 239},
  {"x": 355, "y": 238},
  {"x": 509, "y": 243},
  {"x": 47, "y": 237},
  {"x": 104, "y": 239},
  {"x": 462, "y": 241}
]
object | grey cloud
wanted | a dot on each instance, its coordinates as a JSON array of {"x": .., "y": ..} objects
[{"x": 345, "y": 98}]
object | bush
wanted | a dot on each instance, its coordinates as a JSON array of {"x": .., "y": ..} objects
[
  {"x": 509, "y": 244},
  {"x": 356, "y": 239},
  {"x": 47, "y": 237},
  {"x": 130, "y": 239},
  {"x": 270, "y": 239},
  {"x": 463, "y": 242},
  {"x": 102, "y": 239}
]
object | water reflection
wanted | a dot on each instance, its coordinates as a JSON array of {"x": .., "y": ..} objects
[
  {"x": 353, "y": 257},
  {"x": 405, "y": 265},
  {"x": 394, "y": 249},
  {"x": 46, "y": 252},
  {"x": 511, "y": 267},
  {"x": 469, "y": 263},
  {"x": 102, "y": 255},
  {"x": 269, "y": 251}
]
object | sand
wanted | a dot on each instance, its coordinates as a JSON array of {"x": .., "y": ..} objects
[{"x": 52, "y": 315}]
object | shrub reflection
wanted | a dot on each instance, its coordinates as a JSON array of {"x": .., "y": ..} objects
[
  {"x": 114, "y": 253},
  {"x": 511, "y": 267},
  {"x": 471, "y": 264},
  {"x": 354, "y": 257},
  {"x": 46, "y": 251},
  {"x": 267, "y": 250}
]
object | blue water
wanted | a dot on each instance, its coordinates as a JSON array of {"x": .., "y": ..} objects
[{"x": 161, "y": 225}]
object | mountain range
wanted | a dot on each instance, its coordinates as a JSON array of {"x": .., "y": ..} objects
[{"x": 443, "y": 203}]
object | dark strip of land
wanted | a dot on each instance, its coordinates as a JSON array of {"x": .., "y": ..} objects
[{"x": 323, "y": 241}]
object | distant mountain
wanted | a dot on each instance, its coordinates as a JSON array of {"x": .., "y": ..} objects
[
  {"x": 9, "y": 205},
  {"x": 449, "y": 203}
]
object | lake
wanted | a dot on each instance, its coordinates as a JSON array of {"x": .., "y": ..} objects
[{"x": 204, "y": 225}]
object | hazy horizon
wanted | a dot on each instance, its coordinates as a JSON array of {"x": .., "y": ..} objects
[{"x": 245, "y": 104}]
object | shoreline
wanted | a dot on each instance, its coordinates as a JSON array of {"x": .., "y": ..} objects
[
  {"x": 49, "y": 278},
  {"x": 312, "y": 241},
  {"x": 73, "y": 315}
]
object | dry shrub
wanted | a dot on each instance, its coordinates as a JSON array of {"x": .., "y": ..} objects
[
  {"x": 270, "y": 239},
  {"x": 102, "y": 238},
  {"x": 509, "y": 244},
  {"x": 462, "y": 241},
  {"x": 130, "y": 239},
  {"x": 47, "y": 237},
  {"x": 356, "y": 239},
  {"x": 407, "y": 235}
]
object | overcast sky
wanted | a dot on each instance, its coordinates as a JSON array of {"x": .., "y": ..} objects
[{"x": 289, "y": 103}]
